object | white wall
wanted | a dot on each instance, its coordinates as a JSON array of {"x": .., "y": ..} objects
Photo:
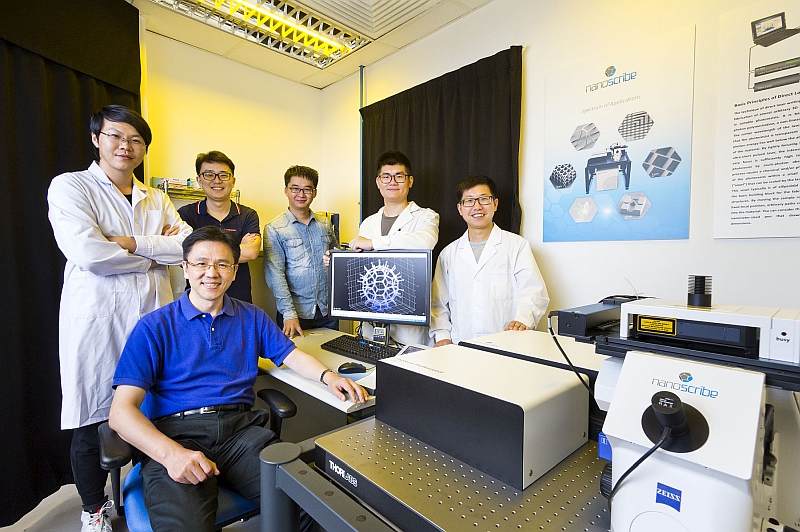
[
  {"x": 198, "y": 101},
  {"x": 753, "y": 272}
]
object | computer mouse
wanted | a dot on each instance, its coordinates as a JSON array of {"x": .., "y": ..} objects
[{"x": 351, "y": 367}]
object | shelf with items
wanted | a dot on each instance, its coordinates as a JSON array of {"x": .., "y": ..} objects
[{"x": 181, "y": 189}]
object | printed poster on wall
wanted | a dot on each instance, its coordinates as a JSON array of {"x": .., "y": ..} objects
[
  {"x": 757, "y": 186},
  {"x": 618, "y": 138}
]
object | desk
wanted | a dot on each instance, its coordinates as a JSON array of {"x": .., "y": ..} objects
[
  {"x": 317, "y": 410},
  {"x": 310, "y": 343}
]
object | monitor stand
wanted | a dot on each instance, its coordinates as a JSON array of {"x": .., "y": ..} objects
[{"x": 381, "y": 334}]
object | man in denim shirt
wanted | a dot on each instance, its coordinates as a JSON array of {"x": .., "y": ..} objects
[{"x": 294, "y": 244}]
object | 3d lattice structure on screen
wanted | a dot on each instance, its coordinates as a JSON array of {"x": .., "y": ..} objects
[
  {"x": 635, "y": 126},
  {"x": 381, "y": 286}
]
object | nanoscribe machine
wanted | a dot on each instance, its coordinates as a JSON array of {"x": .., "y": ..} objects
[{"x": 703, "y": 419}]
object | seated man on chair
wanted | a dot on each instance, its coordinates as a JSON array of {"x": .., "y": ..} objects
[{"x": 191, "y": 366}]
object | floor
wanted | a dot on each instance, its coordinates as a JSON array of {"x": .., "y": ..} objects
[{"x": 61, "y": 512}]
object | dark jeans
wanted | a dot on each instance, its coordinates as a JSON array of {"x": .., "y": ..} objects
[
  {"x": 317, "y": 322},
  {"x": 90, "y": 478},
  {"x": 232, "y": 440}
]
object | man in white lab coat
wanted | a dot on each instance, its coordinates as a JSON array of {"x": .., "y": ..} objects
[
  {"x": 118, "y": 235},
  {"x": 487, "y": 281},
  {"x": 399, "y": 224}
]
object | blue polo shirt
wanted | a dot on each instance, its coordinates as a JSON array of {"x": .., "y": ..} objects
[
  {"x": 186, "y": 359},
  {"x": 240, "y": 221}
]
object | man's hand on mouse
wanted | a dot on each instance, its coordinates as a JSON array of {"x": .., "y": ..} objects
[{"x": 339, "y": 386}]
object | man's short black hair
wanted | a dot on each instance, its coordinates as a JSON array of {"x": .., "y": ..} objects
[
  {"x": 301, "y": 171},
  {"x": 394, "y": 157},
  {"x": 213, "y": 156},
  {"x": 119, "y": 113},
  {"x": 211, "y": 233},
  {"x": 474, "y": 181}
]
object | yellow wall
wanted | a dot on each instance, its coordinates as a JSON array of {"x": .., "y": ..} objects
[{"x": 196, "y": 101}]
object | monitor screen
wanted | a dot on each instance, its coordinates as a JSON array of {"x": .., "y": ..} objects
[
  {"x": 768, "y": 25},
  {"x": 382, "y": 286}
]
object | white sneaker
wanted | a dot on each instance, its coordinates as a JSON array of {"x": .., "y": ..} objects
[{"x": 99, "y": 521}]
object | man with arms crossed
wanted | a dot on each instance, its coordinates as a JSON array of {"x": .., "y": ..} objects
[
  {"x": 215, "y": 175},
  {"x": 399, "y": 224},
  {"x": 294, "y": 246},
  {"x": 118, "y": 235},
  {"x": 191, "y": 366},
  {"x": 487, "y": 280}
]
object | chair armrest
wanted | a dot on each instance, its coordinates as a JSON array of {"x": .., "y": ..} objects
[
  {"x": 279, "y": 404},
  {"x": 280, "y": 408},
  {"x": 114, "y": 451}
]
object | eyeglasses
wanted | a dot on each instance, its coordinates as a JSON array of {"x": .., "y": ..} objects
[
  {"x": 470, "y": 202},
  {"x": 208, "y": 175},
  {"x": 133, "y": 142},
  {"x": 204, "y": 266},
  {"x": 306, "y": 191},
  {"x": 398, "y": 178}
]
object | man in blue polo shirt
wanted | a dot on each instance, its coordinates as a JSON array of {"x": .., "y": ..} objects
[
  {"x": 215, "y": 176},
  {"x": 184, "y": 389}
]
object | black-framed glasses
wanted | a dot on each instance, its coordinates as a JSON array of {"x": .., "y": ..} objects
[
  {"x": 119, "y": 139},
  {"x": 208, "y": 175},
  {"x": 470, "y": 202},
  {"x": 398, "y": 178},
  {"x": 205, "y": 266},
  {"x": 306, "y": 191}
]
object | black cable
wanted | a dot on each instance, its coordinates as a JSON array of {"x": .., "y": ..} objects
[
  {"x": 664, "y": 437},
  {"x": 564, "y": 354}
]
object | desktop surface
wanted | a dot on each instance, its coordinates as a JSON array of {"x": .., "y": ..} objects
[{"x": 310, "y": 343}]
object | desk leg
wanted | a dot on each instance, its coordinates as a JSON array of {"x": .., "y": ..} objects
[{"x": 278, "y": 512}]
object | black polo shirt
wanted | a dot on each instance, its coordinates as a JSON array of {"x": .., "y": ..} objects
[{"x": 240, "y": 221}]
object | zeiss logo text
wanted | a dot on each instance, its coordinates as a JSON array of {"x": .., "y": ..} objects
[
  {"x": 342, "y": 473},
  {"x": 668, "y": 495}
]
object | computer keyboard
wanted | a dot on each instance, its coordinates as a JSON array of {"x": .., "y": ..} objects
[{"x": 359, "y": 348}]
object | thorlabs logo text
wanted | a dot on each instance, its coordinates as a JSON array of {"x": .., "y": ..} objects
[
  {"x": 337, "y": 470},
  {"x": 611, "y": 79},
  {"x": 682, "y": 385}
]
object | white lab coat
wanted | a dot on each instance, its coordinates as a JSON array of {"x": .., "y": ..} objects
[
  {"x": 472, "y": 299},
  {"x": 415, "y": 228},
  {"x": 106, "y": 289}
]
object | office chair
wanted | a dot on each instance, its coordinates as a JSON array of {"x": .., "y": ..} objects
[{"x": 116, "y": 452}]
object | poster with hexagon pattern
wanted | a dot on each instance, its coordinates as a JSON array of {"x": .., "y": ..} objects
[{"x": 618, "y": 138}]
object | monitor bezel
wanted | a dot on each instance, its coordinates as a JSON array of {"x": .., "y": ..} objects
[{"x": 377, "y": 317}]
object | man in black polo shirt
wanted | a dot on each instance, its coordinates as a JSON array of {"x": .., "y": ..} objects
[{"x": 215, "y": 176}]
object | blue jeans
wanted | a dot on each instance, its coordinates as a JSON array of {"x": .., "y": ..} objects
[{"x": 317, "y": 322}]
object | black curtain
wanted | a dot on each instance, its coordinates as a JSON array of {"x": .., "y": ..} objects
[
  {"x": 56, "y": 69},
  {"x": 463, "y": 123}
]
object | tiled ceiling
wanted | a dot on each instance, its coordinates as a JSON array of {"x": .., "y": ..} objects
[{"x": 390, "y": 24}]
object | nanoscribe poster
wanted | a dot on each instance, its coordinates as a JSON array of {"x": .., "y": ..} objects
[
  {"x": 618, "y": 138},
  {"x": 757, "y": 182}
]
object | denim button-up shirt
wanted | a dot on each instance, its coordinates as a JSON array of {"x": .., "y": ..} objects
[{"x": 293, "y": 264}]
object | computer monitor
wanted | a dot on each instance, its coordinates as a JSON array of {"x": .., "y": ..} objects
[
  {"x": 767, "y": 25},
  {"x": 392, "y": 286}
]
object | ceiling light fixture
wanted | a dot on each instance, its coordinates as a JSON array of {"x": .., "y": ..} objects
[{"x": 274, "y": 24}]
